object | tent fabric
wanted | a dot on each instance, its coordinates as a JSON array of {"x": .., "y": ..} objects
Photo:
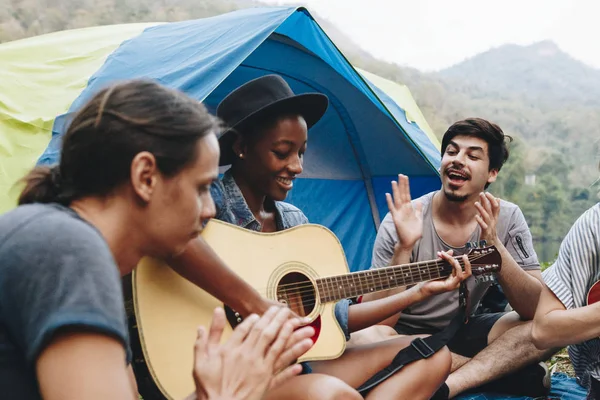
[
  {"x": 40, "y": 78},
  {"x": 363, "y": 141},
  {"x": 402, "y": 99}
]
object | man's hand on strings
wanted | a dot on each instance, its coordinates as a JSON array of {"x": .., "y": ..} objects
[
  {"x": 488, "y": 208},
  {"x": 453, "y": 281},
  {"x": 407, "y": 218}
]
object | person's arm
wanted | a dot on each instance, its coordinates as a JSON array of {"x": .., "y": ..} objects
[
  {"x": 522, "y": 288},
  {"x": 80, "y": 365},
  {"x": 397, "y": 235},
  {"x": 383, "y": 311},
  {"x": 562, "y": 318},
  {"x": 132, "y": 378},
  {"x": 555, "y": 326},
  {"x": 202, "y": 266}
]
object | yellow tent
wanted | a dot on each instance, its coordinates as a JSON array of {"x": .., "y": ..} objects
[
  {"x": 41, "y": 76},
  {"x": 402, "y": 96}
]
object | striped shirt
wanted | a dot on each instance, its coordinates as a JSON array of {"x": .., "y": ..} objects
[{"x": 571, "y": 277}]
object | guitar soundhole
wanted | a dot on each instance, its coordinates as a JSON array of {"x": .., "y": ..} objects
[{"x": 297, "y": 292}]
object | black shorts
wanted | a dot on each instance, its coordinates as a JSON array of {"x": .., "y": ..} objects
[
  {"x": 470, "y": 339},
  {"x": 594, "y": 389}
]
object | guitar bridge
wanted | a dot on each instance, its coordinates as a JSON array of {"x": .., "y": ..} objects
[{"x": 233, "y": 317}]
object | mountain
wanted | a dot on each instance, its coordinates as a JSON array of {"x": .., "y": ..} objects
[
  {"x": 540, "y": 72},
  {"x": 537, "y": 93}
]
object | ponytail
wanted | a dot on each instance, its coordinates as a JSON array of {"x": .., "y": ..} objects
[
  {"x": 119, "y": 122},
  {"x": 43, "y": 185}
]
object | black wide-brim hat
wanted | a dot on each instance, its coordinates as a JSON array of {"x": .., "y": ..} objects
[{"x": 267, "y": 96}]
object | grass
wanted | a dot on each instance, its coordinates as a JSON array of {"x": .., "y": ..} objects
[{"x": 561, "y": 362}]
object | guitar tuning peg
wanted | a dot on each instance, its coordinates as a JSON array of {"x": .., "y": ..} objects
[
  {"x": 482, "y": 243},
  {"x": 468, "y": 245},
  {"x": 474, "y": 245}
]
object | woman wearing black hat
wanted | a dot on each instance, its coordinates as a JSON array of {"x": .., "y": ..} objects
[{"x": 265, "y": 144}]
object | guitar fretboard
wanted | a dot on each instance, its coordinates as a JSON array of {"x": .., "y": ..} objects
[{"x": 334, "y": 288}]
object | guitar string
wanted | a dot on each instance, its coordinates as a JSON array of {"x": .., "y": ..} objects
[
  {"x": 375, "y": 275},
  {"x": 402, "y": 267},
  {"x": 304, "y": 288},
  {"x": 372, "y": 282},
  {"x": 414, "y": 274},
  {"x": 312, "y": 303}
]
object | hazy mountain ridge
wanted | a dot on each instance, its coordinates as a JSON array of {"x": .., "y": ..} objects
[{"x": 540, "y": 71}]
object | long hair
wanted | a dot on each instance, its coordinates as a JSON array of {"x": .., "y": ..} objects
[{"x": 107, "y": 133}]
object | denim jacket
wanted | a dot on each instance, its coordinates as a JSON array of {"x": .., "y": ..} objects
[{"x": 232, "y": 208}]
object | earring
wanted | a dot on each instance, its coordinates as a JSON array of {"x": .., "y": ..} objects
[{"x": 241, "y": 155}]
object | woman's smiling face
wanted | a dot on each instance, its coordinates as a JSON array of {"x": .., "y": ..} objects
[{"x": 273, "y": 157}]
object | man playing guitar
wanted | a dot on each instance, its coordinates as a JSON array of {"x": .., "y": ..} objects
[{"x": 491, "y": 345}]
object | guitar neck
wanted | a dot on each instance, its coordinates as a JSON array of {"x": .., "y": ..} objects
[{"x": 335, "y": 288}]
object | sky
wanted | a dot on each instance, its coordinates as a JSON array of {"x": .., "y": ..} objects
[{"x": 434, "y": 34}]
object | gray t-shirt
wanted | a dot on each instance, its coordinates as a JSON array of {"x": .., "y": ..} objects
[
  {"x": 436, "y": 312},
  {"x": 56, "y": 271}
]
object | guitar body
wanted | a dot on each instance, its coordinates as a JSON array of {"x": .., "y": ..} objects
[
  {"x": 168, "y": 308},
  {"x": 593, "y": 295}
]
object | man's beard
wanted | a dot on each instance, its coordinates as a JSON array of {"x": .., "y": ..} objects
[{"x": 455, "y": 198}]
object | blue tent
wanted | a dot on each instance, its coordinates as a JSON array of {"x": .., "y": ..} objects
[{"x": 354, "y": 152}]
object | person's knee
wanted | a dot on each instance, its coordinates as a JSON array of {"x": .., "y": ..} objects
[
  {"x": 509, "y": 322},
  {"x": 440, "y": 363},
  {"x": 385, "y": 332},
  {"x": 443, "y": 360},
  {"x": 314, "y": 386},
  {"x": 372, "y": 334},
  {"x": 331, "y": 388}
]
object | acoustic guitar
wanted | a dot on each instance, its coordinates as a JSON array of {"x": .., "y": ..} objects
[
  {"x": 303, "y": 267},
  {"x": 593, "y": 295}
]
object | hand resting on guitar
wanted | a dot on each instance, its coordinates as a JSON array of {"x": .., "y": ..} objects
[
  {"x": 384, "y": 309},
  {"x": 256, "y": 357}
]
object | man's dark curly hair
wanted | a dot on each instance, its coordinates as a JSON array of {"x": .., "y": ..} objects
[{"x": 492, "y": 134}]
